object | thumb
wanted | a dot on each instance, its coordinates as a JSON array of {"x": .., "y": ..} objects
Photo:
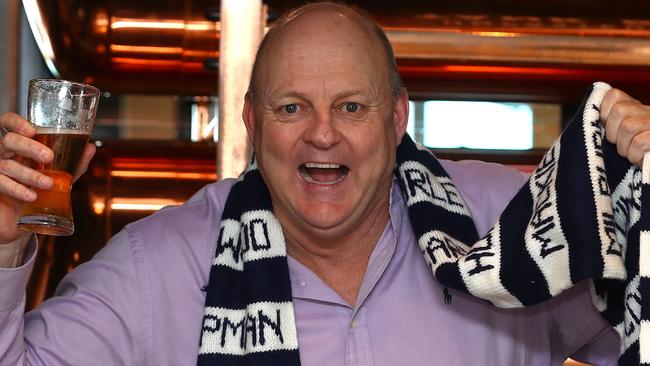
[{"x": 87, "y": 156}]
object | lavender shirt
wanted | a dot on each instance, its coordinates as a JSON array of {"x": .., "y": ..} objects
[{"x": 139, "y": 301}]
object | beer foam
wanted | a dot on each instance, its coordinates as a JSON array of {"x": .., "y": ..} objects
[{"x": 59, "y": 131}]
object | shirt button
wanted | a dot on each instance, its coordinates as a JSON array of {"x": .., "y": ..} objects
[
  {"x": 353, "y": 325},
  {"x": 303, "y": 283}
]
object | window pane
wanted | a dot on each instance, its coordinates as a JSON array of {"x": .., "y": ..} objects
[
  {"x": 478, "y": 125},
  {"x": 484, "y": 125},
  {"x": 156, "y": 117}
]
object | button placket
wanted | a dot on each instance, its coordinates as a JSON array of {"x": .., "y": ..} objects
[
  {"x": 353, "y": 324},
  {"x": 359, "y": 352}
]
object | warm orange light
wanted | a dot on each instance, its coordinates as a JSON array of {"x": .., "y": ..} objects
[
  {"x": 127, "y": 63},
  {"x": 190, "y": 53},
  {"x": 142, "y": 204},
  {"x": 157, "y": 51},
  {"x": 147, "y": 49},
  {"x": 119, "y": 23},
  {"x": 137, "y": 61},
  {"x": 137, "y": 206},
  {"x": 495, "y": 34},
  {"x": 134, "y": 204},
  {"x": 165, "y": 175},
  {"x": 201, "y": 26},
  {"x": 148, "y": 24},
  {"x": 499, "y": 69},
  {"x": 101, "y": 23},
  {"x": 484, "y": 69},
  {"x": 154, "y": 164},
  {"x": 98, "y": 207},
  {"x": 525, "y": 29}
]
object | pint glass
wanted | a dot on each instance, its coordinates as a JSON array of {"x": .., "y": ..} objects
[{"x": 63, "y": 113}]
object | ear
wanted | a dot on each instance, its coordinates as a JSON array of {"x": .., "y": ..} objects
[
  {"x": 248, "y": 115},
  {"x": 401, "y": 114}
]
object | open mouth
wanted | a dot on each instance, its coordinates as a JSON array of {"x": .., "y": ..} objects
[{"x": 323, "y": 173}]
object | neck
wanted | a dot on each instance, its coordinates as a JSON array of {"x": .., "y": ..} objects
[{"x": 340, "y": 260}]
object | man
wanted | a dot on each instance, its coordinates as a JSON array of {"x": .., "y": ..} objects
[{"x": 325, "y": 112}]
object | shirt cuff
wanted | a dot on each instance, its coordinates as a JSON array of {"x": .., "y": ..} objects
[{"x": 13, "y": 281}]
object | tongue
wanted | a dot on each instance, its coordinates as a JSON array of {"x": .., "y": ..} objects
[{"x": 324, "y": 174}]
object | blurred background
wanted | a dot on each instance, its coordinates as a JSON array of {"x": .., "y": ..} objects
[{"x": 492, "y": 80}]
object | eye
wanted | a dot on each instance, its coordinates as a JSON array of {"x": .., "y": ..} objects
[
  {"x": 290, "y": 111},
  {"x": 351, "y": 107},
  {"x": 290, "y": 108}
]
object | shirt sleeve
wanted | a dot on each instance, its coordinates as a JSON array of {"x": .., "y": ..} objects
[
  {"x": 581, "y": 332},
  {"x": 12, "y": 306},
  {"x": 96, "y": 316}
]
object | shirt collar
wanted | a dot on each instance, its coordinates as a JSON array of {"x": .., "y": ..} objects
[{"x": 308, "y": 286}]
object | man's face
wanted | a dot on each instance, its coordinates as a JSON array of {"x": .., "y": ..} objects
[{"x": 323, "y": 126}]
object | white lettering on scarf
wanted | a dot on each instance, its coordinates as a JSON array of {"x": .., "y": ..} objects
[
  {"x": 544, "y": 237},
  {"x": 258, "y": 236},
  {"x": 261, "y": 327},
  {"x": 423, "y": 186},
  {"x": 481, "y": 268}
]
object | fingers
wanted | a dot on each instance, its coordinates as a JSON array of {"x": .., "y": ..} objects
[
  {"x": 23, "y": 174},
  {"x": 14, "y": 177},
  {"x": 639, "y": 144},
  {"x": 14, "y": 123},
  {"x": 88, "y": 154},
  {"x": 627, "y": 130},
  {"x": 17, "y": 139},
  {"x": 11, "y": 188},
  {"x": 627, "y": 124},
  {"x": 15, "y": 144},
  {"x": 615, "y": 107}
]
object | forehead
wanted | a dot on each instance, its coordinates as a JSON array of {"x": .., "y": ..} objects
[
  {"x": 306, "y": 58},
  {"x": 324, "y": 43}
]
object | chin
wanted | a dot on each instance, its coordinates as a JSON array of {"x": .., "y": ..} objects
[{"x": 324, "y": 218}]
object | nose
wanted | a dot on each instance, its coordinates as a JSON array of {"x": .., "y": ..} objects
[{"x": 322, "y": 131}]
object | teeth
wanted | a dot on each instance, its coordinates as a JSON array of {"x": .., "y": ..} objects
[
  {"x": 303, "y": 170},
  {"x": 309, "y": 179},
  {"x": 322, "y": 165}
]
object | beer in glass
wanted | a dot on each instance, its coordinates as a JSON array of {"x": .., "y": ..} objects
[{"x": 63, "y": 113}]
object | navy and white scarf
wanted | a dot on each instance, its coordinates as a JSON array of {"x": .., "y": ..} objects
[{"x": 579, "y": 217}]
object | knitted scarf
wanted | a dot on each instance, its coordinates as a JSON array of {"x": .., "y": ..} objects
[{"x": 579, "y": 217}]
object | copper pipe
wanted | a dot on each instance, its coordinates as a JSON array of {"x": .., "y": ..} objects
[
  {"x": 153, "y": 47},
  {"x": 142, "y": 46}
]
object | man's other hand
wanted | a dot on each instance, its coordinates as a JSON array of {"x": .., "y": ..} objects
[{"x": 627, "y": 124}]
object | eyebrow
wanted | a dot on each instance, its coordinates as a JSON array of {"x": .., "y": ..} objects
[
  {"x": 271, "y": 95},
  {"x": 348, "y": 93},
  {"x": 299, "y": 95}
]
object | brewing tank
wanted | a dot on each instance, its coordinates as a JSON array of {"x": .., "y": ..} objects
[{"x": 146, "y": 47}]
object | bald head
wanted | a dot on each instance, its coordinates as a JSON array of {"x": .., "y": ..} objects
[{"x": 315, "y": 22}]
